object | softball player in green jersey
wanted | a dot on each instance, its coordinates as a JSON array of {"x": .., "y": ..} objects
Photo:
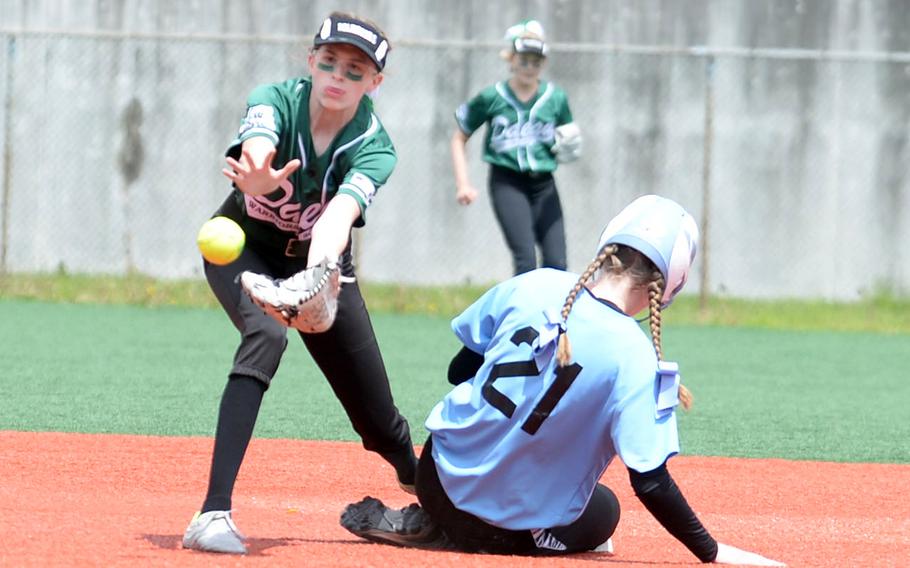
[
  {"x": 529, "y": 131},
  {"x": 306, "y": 163}
]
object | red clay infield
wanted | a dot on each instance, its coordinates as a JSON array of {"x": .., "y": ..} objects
[{"x": 104, "y": 500}]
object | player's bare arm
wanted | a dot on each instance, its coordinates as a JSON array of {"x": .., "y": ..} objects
[
  {"x": 253, "y": 173},
  {"x": 333, "y": 229},
  {"x": 465, "y": 192}
]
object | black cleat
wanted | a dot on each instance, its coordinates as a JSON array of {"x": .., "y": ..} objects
[{"x": 410, "y": 527}]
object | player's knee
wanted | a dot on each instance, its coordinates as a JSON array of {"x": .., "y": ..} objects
[
  {"x": 270, "y": 334},
  {"x": 609, "y": 509}
]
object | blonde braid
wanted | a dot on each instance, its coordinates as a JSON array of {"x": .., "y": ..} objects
[
  {"x": 655, "y": 291},
  {"x": 655, "y": 288},
  {"x": 564, "y": 350}
]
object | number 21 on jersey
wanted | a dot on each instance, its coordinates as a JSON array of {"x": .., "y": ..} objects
[{"x": 565, "y": 376}]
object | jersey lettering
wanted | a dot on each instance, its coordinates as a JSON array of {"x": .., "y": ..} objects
[
  {"x": 283, "y": 215},
  {"x": 309, "y": 217},
  {"x": 505, "y": 136}
]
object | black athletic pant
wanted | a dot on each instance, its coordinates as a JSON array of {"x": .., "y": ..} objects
[
  {"x": 472, "y": 534},
  {"x": 347, "y": 354},
  {"x": 529, "y": 213}
]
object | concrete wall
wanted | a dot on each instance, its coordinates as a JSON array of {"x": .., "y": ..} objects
[{"x": 114, "y": 143}]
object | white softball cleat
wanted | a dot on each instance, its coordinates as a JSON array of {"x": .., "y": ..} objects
[{"x": 214, "y": 531}]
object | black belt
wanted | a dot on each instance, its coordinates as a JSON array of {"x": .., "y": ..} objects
[{"x": 297, "y": 248}]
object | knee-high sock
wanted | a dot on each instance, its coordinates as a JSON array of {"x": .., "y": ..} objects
[{"x": 236, "y": 419}]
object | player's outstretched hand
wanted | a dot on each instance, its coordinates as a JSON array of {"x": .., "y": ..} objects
[
  {"x": 727, "y": 554},
  {"x": 253, "y": 173},
  {"x": 465, "y": 194}
]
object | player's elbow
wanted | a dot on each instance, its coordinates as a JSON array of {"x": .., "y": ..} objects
[
  {"x": 459, "y": 138},
  {"x": 649, "y": 483}
]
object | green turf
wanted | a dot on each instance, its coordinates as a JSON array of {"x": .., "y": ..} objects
[
  {"x": 881, "y": 312},
  {"x": 759, "y": 393}
]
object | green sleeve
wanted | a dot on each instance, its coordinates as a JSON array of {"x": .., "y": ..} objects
[
  {"x": 473, "y": 114},
  {"x": 370, "y": 168},
  {"x": 564, "y": 115},
  {"x": 266, "y": 108}
]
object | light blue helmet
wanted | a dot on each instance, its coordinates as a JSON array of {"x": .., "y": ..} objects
[{"x": 663, "y": 231}]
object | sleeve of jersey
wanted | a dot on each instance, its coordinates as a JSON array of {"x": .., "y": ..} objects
[
  {"x": 370, "y": 169},
  {"x": 464, "y": 365},
  {"x": 263, "y": 117},
  {"x": 642, "y": 440},
  {"x": 471, "y": 115},
  {"x": 476, "y": 325},
  {"x": 663, "y": 499},
  {"x": 565, "y": 114}
]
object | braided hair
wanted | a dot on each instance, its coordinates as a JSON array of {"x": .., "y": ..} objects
[
  {"x": 642, "y": 270},
  {"x": 655, "y": 291}
]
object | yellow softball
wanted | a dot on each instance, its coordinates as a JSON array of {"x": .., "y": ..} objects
[{"x": 220, "y": 240}]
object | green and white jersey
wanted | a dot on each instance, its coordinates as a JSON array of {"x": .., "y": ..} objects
[
  {"x": 359, "y": 160},
  {"x": 519, "y": 134}
]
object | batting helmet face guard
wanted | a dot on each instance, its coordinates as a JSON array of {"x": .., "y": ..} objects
[
  {"x": 663, "y": 231},
  {"x": 363, "y": 35}
]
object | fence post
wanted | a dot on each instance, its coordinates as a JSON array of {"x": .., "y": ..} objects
[
  {"x": 705, "y": 281},
  {"x": 7, "y": 152}
]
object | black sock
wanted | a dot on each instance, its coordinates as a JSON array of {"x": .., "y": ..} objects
[
  {"x": 236, "y": 419},
  {"x": 405, "y": 463}
]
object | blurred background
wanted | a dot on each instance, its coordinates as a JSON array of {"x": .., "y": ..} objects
[{"x": 782, "y": 125}]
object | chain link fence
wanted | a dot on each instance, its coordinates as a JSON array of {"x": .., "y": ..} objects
[{"x": 795, "y": 162}]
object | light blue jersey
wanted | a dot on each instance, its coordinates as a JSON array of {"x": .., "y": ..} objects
[{"x": 523, "y": 443}]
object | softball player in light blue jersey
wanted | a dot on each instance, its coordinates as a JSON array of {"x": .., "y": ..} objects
[
  {"x": 491, "y": 434},
  {"x": 555, "y": 379}
]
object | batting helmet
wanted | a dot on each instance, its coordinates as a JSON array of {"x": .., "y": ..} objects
[{"x": 663, "y": 231}]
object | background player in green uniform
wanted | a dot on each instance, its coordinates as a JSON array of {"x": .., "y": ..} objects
[
  {"x": 306, "y": 163},
  {"x": 526, "y": 119}
]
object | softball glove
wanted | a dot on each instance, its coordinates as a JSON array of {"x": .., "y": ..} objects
[
  {"x": 567, "y": 147},
  {"x": 307, "y": 301}
]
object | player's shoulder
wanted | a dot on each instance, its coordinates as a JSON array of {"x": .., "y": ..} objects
[
  {"x": 543, "y": 284},
  {"x": 294, "y": 85},
  {"x": 551, "y": 276},
  {"x": 489, "y": 92},
  {"x": 556, "y": 87},
  {"x": 367, "y": 127},
  {"x": 556, "y": 91},
  {"x": 289, "y": 90}
]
